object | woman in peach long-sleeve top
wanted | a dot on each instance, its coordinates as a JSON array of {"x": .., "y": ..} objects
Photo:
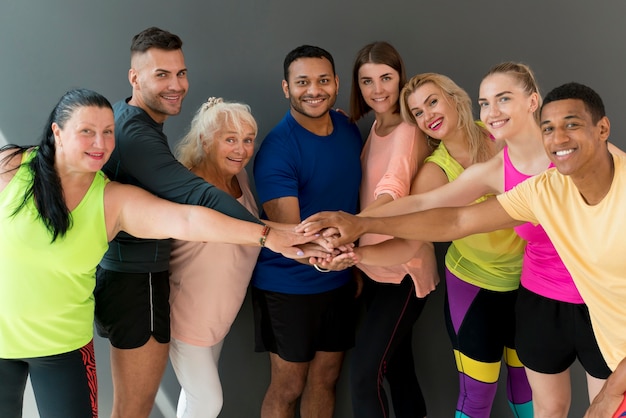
[
  {"x": 208, "y": 281},
  {"x": 395, "y": 295}
]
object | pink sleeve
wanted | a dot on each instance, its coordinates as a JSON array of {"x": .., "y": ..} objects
[{"x": 401, "y": 165}]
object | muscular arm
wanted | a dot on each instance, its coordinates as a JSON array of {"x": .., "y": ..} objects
[
  {"x": 444, "y": 224},
  {"x": 436, "y": 225},
  {"x": 143, "y": 158}
]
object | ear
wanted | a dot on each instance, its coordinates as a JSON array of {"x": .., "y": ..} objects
[
  {"x": 285, "y": 87},
  {"x": 605, "y": 128},
  {"x": 133, "y": 78},
  {"x": 56, "y": 131},
  {"x": 534, "y": 102},
  {"x": 337, "y": 82}
]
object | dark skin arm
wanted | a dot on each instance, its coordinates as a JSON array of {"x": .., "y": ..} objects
[{"x": 436, "y": 225}]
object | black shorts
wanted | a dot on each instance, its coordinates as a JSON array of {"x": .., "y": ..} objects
[
  {"x": 131, "y": 307},
  {"x": 552, "y": 334},
  {"x": 296, "y": 326}
]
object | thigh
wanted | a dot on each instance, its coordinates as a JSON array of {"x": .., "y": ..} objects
[
  {"x": 297, "y": 326},
  {"x": 544, "y": 331},
  {"x": 13, "y": 375},
  {"x": 391, "y": 313},
  {"x": 132, "y": 307},
  {"x": 480, "y": 322},
  {"x": 587, "y": 346},
  {"x": 65, "y": 385}
]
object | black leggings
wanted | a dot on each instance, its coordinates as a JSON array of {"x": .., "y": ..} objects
[
  {"x": 384, "y": 350},
  {"x": 65, "y": 385}
]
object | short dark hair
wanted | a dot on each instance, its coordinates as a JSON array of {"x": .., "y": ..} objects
[
  {"x": 375, "y": 53},
  {"x": 591, "y": 99},
  {"x": 306, "y": 51},
  {"x": 154, "y": 37}
]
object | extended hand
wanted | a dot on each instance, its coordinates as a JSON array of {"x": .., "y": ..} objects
[
  {"x": 349, "y": 226},
  {"x": 296, "y": 245}
]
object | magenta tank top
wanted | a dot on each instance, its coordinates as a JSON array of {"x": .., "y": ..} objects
[{"x": 543, "y": 272}]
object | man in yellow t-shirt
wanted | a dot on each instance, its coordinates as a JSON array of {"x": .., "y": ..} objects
[{"x": 579, "y": 204}]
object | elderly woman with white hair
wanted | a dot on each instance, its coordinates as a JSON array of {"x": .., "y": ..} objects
[{"x": 208, "y": 281}]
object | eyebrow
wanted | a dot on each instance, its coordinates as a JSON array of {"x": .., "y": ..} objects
[
  {"x": 497, "y": 95},
  {"x": 429, "y": 96},
  {"x": 568, "y": 117}
]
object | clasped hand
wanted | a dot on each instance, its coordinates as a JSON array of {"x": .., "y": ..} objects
[{"x": 340, "y": 230}]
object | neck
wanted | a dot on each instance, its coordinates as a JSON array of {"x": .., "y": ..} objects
[
  {"x": 226, "y": 183},
  {"x": 387, "y": 122},
  {"x": 526, "y": 151},
  {"x": 596, "y": 183},
  {"x": 320, "y": 126},
  {"x": 137, "y": 102}
]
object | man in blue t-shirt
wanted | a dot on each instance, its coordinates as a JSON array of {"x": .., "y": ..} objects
[{"x": 304, "y": 316}]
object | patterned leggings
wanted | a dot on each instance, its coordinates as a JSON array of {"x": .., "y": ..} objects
[
  {"x": 65, "y": 385},
  {"x": 481, "y": 325}
]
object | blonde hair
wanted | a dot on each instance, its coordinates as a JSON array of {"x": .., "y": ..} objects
[
  {"x": 214, "y": 115},
  {"x": 524, "y": 76},
  {"x": 477, "y": 137}
]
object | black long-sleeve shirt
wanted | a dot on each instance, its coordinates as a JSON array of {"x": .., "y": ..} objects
[{"x": 142, "y": 157}]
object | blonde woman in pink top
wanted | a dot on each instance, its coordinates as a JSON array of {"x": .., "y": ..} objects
[
  {"x": 394, "y": 296},
  {"x": 208, "y": 281}
]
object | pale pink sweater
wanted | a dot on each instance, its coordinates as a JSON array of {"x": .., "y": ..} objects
[
  {"x": 389, "y": 164},
  {"x": 208, "y": 283}
]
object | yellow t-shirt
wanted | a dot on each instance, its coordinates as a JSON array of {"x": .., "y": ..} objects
[
  {"x": 491, "y": 261},
  {"x": 46, "y": 289},
  {"x": 591, "y": 240}
]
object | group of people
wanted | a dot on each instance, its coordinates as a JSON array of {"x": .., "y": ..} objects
[{"x": 532, "y": 276}]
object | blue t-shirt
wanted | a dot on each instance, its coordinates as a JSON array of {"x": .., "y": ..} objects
[{"x": 324, "y": 173}]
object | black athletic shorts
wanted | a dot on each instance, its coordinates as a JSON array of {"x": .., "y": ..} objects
[
  {"x": 296, "y": 326},
  {"x": 551, "y": 334},
  {"x": 131, "y": 307}
]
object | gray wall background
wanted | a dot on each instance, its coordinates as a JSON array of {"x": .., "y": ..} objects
[{"x": 235, "y": 50}]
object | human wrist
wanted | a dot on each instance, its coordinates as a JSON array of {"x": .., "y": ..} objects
[
  {"x": 321, "y": 270},
  {"x": 264, "y": 233}
]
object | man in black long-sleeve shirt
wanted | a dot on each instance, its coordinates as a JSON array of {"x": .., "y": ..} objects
[{"x": 132, "y": 291}]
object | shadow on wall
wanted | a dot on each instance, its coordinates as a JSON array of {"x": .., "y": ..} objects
[{"x": 2, "y": 140}]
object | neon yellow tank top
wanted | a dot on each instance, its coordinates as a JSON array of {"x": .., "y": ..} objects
[
  {"x": 46, "y": 289},
  {"x": 491, "y": 261}
]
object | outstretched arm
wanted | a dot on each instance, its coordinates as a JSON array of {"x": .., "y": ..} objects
[
  {"x": 143, "y": 215},
  {"x": 476, "y": 181},
  {"x": 437, "y": 225}
]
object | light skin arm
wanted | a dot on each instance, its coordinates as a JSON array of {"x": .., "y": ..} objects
[
  {"x": 143, "y": 215},
  {"x": 611, "y": 395},
  {"x": 436, "y": 225},
  {"x": 286, "y": 210},
  {"x": 476, "y": 181}
]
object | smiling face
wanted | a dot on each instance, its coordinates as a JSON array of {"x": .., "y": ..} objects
[
  {"x": 505, "y": 107},
  {"x": 433, "y": 111},
  {"x": 159, "y": 80},
  {"x": 231, "y": 149},
  {"x": 380, "y": 87},
  {"x": 311, "y": 88},
  {"x": 86, "y": 140},
  {"x": 574, "y": 143}
]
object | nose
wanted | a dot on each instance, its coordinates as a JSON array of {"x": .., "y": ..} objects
[
  {"x": 98, "y": 141},
  {"x": 493, "y": 110},
  {"x": 177, "y": 84},
  {"x": 378, "y": 87},
  {"x": 560, "y": 136}
]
